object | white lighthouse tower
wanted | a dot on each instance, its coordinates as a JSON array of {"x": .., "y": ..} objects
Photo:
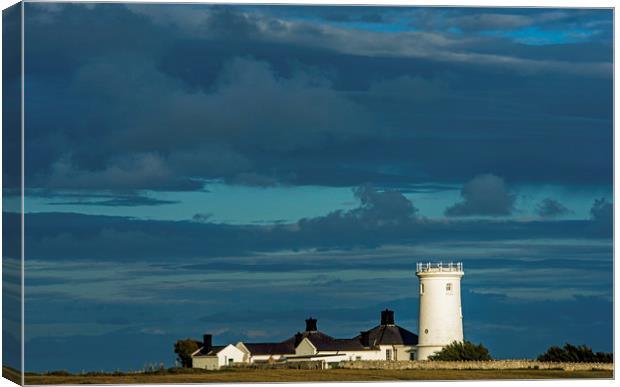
[{"x": 441, "y": 318}]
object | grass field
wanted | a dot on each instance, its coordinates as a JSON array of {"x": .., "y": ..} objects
[{"x": 289, "y": 375}]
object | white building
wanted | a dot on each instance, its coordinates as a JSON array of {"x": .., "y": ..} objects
[
  {"x": 212, "y": 358},
  {"x": 441, "y": 317}
]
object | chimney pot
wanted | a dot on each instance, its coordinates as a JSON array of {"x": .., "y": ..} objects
[
  {"x": 387, "y": 317},
  {"x": 311, "y": 325}
]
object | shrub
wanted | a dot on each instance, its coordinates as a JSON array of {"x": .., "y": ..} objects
[
  {"x": 462, "y": 350},
  {"x": 575, "y": 354}
]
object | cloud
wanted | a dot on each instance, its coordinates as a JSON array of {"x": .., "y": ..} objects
[
  {"x": 484, "y": 195},
  {"x": 379, "y": 211},
  {"x": 549, "y": 208},
  {"x": 201, "y": 217},
  {"x": 389, "y": 206},
  {"x": 91, "y": 198},
  {"x": 295, "y": 100},
  {"x": 602, "y": 214},
  {"x": 205, "y": 134},
  {"x": 602, "y": 210},
  {"x": 139, "y": 171}
]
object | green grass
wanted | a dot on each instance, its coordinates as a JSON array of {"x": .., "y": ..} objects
[{"x": 288, "y": 375}]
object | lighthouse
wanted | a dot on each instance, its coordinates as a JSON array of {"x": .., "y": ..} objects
[{"x": 441, "y": 319}]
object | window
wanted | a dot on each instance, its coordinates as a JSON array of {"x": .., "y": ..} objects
[
  {"x": 412, "y": 356},
  {"x": 448, "y": 287},
  {"x": 358, "y": 358},
  {"x": 388, "y": 354},
  {"x": 421, "y": 288}
]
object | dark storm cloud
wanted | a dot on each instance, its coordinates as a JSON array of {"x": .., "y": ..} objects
[
  {"x": 171, "y": 99},
  {"x": 484, "y": 195},
  {"x": 549, "y": 208}
]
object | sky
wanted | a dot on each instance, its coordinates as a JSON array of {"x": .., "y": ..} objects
[{"x": 234, "y": 170}]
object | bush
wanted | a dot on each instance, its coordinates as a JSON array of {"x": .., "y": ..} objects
[
  {"x": 575, "y": 354},
  {"x": 462, "y": 350}
]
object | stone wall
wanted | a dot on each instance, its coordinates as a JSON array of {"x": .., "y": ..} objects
[{"x": 473, "y": 365}]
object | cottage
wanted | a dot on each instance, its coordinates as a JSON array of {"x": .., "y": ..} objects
[{"x": 214, "y": 357}]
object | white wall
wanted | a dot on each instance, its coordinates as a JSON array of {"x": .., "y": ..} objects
[
  {"x": 305, "y": 348},
  {"x": 264, "y": 358},
  {"x": 399, "y": 352},
  {"x": 205, "y": 362},
  {"x": 230, "y": 352},
  {"x": 441, "y": 320}
]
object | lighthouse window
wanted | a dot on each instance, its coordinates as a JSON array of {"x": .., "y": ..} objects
[
  {"x": 388, "y": 354},
  {"x": 421, "y": 288},
  {"x": 448, "y": 287}
]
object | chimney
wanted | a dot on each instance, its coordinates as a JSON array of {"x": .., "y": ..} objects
[
  {"x": 311, "y": 325},
  {"x": 365, "y": 338},
  {"x": 387, "y": 317},
  {"x": 298, "y": 338},
  {"x": 206, "y": 343}
]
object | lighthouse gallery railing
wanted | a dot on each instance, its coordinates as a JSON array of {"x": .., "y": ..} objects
[{"x": 439, "y": 266}]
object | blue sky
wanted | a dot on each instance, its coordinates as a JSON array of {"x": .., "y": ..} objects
[{"x": 184, "y": 163}]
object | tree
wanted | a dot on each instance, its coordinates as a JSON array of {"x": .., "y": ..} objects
[
  {"x": 462, "y": 350},
  {"x": 184, "y": 350},
  {"x": 575, "y": 354}
]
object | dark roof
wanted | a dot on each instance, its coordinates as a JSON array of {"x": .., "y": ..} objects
[
  {"x": 270, "y": 348},
  {"x": 390, "y": 335},
  {"x": 214, "y": 350},
  {"x": 385, "y": 334},
  {"x": 324, "y": 342},
  {"x": 340, "y": 345},
  {"x": 319, "y": 339}
]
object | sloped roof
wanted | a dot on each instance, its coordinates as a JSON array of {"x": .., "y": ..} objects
[
  {"x": 318, "y": 339},
  {"x": 340, "y": 345},
  {"x": 212, "y": 352},
  {"x": 390, "y": 335}
]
